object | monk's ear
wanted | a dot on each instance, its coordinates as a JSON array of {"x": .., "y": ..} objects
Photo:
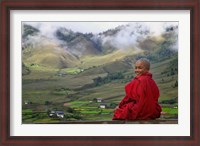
[{"x": 147, "y": 69}]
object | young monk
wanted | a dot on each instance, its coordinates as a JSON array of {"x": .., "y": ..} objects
[{"x": 142, "y": 93}]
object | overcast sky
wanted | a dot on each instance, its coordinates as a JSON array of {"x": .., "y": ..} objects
[{"x": 94, "y": 27}]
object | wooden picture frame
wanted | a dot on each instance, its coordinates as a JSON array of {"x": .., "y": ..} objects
[{"x": 191, "y": 5}]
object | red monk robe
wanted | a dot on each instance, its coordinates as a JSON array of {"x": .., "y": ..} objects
[{"x": 141, "y": 100}]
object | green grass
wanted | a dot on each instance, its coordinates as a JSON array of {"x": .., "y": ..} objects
[
  {"x": 78, "y": 102},
  {"x": 103, "y": 59},
  {"x": 25, "y": 111},
  {"x": 70, "y": 70},
  {"x": 28, "y": 116},
  {"x": 172, "y": 111},
  {"x": 40, "y": 68}
]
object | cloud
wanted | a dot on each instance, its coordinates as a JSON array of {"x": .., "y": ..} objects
[
  {"x": 47, "y": 28},
  {"x": 83, "y": 27},
  {"x": 126, "y": 37}
]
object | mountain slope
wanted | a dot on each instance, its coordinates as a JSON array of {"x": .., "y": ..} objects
[
  {"x": 77, "y": 44},
  {"x": 47, "y": 53},
  {"x": 66, "y": 48}
]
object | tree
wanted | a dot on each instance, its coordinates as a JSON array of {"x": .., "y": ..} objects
[
  {"x": 176, "y": 84},
  {"x": 46, "y": 102}
]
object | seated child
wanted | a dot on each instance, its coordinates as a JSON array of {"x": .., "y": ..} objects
[{"x": 142, "y": 93}]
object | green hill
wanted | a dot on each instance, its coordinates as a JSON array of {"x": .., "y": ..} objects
[{"x": 49, "y": 54}]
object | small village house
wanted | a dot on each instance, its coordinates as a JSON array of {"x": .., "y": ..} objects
[
  {"x": 27, "y": 102},
  {"x": 56, "y": 114},
  {"x": 103, "y": 105},
  {"x": 99, "y": 99}
]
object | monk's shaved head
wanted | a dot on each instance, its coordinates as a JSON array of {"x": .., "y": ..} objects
[{"x": 145, "y": 62}]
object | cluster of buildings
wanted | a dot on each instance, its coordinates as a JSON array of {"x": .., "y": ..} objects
[{"x": 61, "y": 114}]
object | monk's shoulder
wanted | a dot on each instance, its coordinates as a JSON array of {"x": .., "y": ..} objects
[
  {"x": 148, "y": 81},
  {"x": 144, "y": 78},
  {"x": 132, "y": 83}
]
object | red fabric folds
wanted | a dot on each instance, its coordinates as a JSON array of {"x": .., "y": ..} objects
[{"x": 141, "y": 100}]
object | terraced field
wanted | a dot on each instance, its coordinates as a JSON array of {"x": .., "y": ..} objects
[{"x": 73, "y": 91}]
